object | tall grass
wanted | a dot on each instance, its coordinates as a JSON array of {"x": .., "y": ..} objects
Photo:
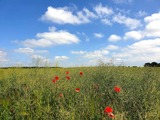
[{"x": 30, "y": 94}]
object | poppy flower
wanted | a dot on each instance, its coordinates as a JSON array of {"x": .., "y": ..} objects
[
  {"x": 56, "y": 78},
  {"x": 81, "y": 73},
  {"x": 117, "y": 89},
  {"x": 67, "y": 72},
  {"x": 111, "y": 115},
  {"x": 108, "y": 110},
  {"x": 77, "y": 89},
  {"x": 54, "y": 81},
  {"x": 68, "y": 78},
  {"x": 61, "y": 95}
]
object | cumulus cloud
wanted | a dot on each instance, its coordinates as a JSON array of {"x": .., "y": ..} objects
[
  {"x": 141, "y": 13},
  {"x": 29, "y": 51},
  {"x": 51, "y": 38},
  {"x": 88, "y": 13},
  {"x": 98, "y": 35},
  {"x": 114, "y": 38},
  {"x": 141, "y": 52},
  {"x": 152, "y": 28},
  {"x": 106, "y": 21},
  {"x": 153, "y": 17},
  {"x": 133, "y": 35},
  {"x": 103, "y": 11},
  {"x": 61, "y": 58},
  {"x": 112, "y": 47},
  {"x": 96, "y": 54},
  {"x": 78, "y": 52},
  {"x": 66, "y": 16},
  {"x": 3, "y": 56},
  {"x": 25, "y": 50},
  {"x": 127, "y": 21}
]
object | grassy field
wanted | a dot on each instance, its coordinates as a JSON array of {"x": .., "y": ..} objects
[{"x": 35, "y": 94}]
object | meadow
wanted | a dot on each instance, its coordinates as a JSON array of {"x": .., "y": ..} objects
[{"x": 84, "y": 93}]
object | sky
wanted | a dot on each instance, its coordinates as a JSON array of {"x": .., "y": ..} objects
[{"x": 72, "y": 33}]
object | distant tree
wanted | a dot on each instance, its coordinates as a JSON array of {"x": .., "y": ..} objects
[
  {"x": 147, "y": 65},
  {"x": 154, "y": 64}
]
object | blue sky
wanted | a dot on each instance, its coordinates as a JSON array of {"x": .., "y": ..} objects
[{"x": 76, "y": 32}]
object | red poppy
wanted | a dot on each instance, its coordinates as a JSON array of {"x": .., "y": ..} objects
[
  {"x": 111, "y": 115},
  {"x": 81, "y": 73},
  {"x": 54, "y": 81},
  {"x": 108, "y": 110},
  {"x": 61, "y": 95},
  {"x": 56, "y": 78},
  {"x": 77, "y": 89},
  {"x": 117, "y": 89},
  {"x": 68, "y": 78},
  {"x": 67, "y": 72}
]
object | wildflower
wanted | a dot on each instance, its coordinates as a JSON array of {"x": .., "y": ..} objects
[
  {"x": 117, "y": 89},
  {"x": 54, "y": 81},
  {"x": 68, "y": 78},
  {"x": 61, "y": 95},
  {"x": 111, "y": 115},
  {"x": 77, "y": 89},
  {"x": 81, "y": 73},
  {"x": 108, "y": 110},
  {"x": 56, "y": 78},
  {"x": 67, "y": 72}
]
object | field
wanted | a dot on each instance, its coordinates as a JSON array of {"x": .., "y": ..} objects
[{"x": 47, "y": 94}]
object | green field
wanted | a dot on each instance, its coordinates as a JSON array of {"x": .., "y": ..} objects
[{"x": 30, "y": 94}]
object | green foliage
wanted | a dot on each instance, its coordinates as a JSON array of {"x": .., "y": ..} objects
[{"x": 30, "y": 94}]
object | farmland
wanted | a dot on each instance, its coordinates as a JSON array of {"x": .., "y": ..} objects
[{"x": 80, "y": 93}]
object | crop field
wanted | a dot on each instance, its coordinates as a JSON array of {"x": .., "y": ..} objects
[{"x": 84, "y": 93}]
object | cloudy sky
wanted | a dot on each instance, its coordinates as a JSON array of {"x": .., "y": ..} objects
[{"x": 79, "y": 32}]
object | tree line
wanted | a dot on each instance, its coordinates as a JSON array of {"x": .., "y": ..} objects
[{"x": 152, "y": 64}]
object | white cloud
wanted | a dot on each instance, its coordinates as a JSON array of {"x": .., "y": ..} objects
[
  {"x": 141, "y": 52},
  {"x": 98, "y": 35},
  {"x": 114, "y": 38},
  {"x": 25, "y": 50},
  {"x": 129, "y": 22},
  {"x": 51, "y": 38},
  {"x": 78, "y": 52},
  {"x": 152, "y": 28},
  {"x": 153, "y": 17},
  {"x": 2, "y": 53},
  {"x": 88, "y": 13},
  {"x": 3, "y": 56},
  {"x": 112, "y": 47},
  {"x": 106, "y": 21},
  {"x": 103, "y": 11},
  {"x": 65, "y": 16},
  {"x": 29, "y": 51},
  {"x": 61, "y": 58},
  {"x": 97, "y": 53},
  {"x": 136, "y": 35},
  {"x": 141, "y": 13}
]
